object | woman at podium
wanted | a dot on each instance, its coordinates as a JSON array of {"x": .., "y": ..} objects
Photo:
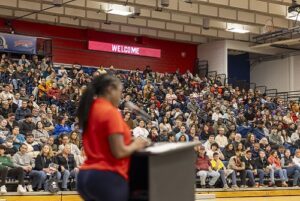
[{"x": 107, "y": 142}]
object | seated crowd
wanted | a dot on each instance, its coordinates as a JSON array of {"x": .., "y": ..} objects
[{"x": 244, "y": 134}]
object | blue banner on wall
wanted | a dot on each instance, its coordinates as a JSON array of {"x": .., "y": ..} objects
[{"x": 17, "y": 43}]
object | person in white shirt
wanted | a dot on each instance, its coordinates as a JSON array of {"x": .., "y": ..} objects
[
  {"x": 33, "y": 147},
  {"x": 17, "y": 100},
  {"x": 216, "y": 115},
  {"x": 214, "y": 148},
  {"x": 170, "y": 97},
  {"x": 296, "y": 158},
  {"x": 23, "y": 60},
  {"x": 221, "y": 139},
  {"x": 61, "y": 71},
  {"x": 101, "y": 70},
  {"x": 209, "y": 142},
  {"x": 296, "y": 135},
  {"x": 5, "y": 94},
  {"x": 80, "y": 158},
  {"x": 140, "y": 130},
  {"x": 66, "y": 141}
]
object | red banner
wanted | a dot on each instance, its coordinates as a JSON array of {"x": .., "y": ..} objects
[{"x": 124, "y": 49}]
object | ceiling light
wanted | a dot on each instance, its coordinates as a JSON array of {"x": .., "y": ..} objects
[
  {"x": 119, "y": 12},
  {"x": 116, "y": 9},
  {"x": 236, "y": 28},
  {"x": 293, "y": 16}
]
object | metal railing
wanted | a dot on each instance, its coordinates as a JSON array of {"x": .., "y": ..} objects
[
  {"x": 262, "y": 89},
  {"x": 252, "y": 85},
  {"x": 212, "y": 75},
  {"x": 201, "y": 68},
  {"x": 285, "y": 96},
  {"x": 223, "y": 78}
]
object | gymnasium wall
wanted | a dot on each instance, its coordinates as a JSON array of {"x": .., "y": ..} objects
[
  {"x": 70, "y": 46},
  {"x": 239, "y": 67},
  {"x": 281, "y": 74},
  {"x": 216, "y": 55}
]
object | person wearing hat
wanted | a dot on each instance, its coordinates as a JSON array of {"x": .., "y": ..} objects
[
  {"x": 27, "y": 126},
  {"x": 204, "y": 169},
  {"x": 260, "y": 130},
  {"x": 155, "y": 102},
  {"x": 7, "y": 169}
]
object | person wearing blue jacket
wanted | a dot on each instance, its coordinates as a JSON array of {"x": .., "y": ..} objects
[
  {"x": 61, "y": 127},
  {"x": 18, "y": 138}
]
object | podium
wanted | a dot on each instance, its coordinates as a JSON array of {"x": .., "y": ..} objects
[{"x": 163, "y": 172}]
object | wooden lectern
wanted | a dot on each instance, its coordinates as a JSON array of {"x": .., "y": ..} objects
[{"x": 163, "y": 172}]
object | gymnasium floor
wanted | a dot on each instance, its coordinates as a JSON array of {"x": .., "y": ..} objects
[
  {"x": 77, "y": 198},
  {"x": 281, "y": 198}
]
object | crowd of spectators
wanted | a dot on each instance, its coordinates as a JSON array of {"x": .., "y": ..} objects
[{"x": 244, "y": 134}]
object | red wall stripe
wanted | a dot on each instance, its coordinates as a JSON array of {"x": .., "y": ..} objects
[{"x": 70, "y": 45}]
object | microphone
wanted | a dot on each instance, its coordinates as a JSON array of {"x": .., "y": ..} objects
[{"x": 134, "y": 108}]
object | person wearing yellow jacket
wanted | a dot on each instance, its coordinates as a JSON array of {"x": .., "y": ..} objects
[{"x": 218, "y": 165}]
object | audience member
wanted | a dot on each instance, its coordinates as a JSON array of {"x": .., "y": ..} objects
[
  {"x": 218, "y": 165},
  {"x": 26, "y": 162},
  {"x": 7, "y": 168},
  {"x": 204, "y": 169},
  {"x": 41, "y": 100},
  {"x": 67, "y": 166},
  {"x": 277, "y": 169}
]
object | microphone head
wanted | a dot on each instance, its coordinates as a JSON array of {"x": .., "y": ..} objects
[
  {"x": 138, "y": 111},
  {"x": 131, "y": 106}
]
